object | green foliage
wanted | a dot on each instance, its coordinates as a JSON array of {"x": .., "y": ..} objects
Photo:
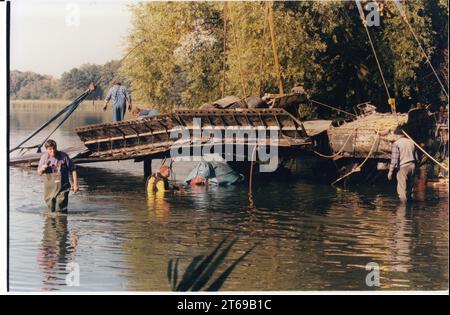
[
  {"x": 176, "y": 55},
  {"x": 320, "y": 44},
  {"x": 29, "y": 85}
]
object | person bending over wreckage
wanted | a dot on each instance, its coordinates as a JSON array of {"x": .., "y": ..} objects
[
  {"x": 55, "y": 166},
  {"x": 142, "y": 113}
]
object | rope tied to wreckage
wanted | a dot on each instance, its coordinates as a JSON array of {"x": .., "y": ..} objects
[
  {"x": 334, "y": 108},
  {"x": 425, "y": 152},
  {"x": 340, "y": 150},
  {"x": 250, "y": 180},
  {"x": 355, "y": 169}
]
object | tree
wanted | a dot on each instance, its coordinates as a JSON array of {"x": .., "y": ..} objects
[
  {"x": 30, "y": 85},
  {"x": 179, "y": 52}
]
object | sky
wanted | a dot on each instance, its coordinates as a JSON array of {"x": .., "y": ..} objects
[{"x": 51, "y": 37}]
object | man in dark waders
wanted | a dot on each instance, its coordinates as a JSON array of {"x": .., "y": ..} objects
[
  {"x": 55, "y": 166},
  {"x": 404, "y": 159}
]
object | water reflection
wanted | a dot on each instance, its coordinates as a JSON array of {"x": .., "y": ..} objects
[
  {"x": 57, "y": 249},
  {"x": 158, "y": 208},
  {"x": 312, "y": 236}
]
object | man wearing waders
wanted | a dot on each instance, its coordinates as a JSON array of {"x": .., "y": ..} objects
[
  {"x": 404, "y": 159},
  {"x": 55, "y": 166},
  {"x": 120, "y": 98}
]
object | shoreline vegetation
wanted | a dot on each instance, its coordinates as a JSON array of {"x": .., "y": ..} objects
[
  {"x": 25, "y": 104},
  {"x": 193, "y": 60}
]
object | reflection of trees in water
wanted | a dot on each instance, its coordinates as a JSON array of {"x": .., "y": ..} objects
[
  {"x": 312, "y": 237},
  {"x": 104, "y": 181},
  {"x": 201, "y": 272},
  {"x": 181, "y": 226},
  {"x": 429, "y": 249},
  {"x": 158, "y": 209},
  {"x": 56, "y": 250},
  {"x": 391, "y": 234},
  {"x": 28, "y": 120}
]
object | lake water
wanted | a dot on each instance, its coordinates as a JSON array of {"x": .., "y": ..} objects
[{"x": 308, "y": 236}]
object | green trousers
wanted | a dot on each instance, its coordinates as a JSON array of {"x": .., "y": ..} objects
[{"x": 56, "y": 194}]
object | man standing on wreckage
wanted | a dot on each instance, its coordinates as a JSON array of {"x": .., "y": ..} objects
[{"x": 120, "y": 98}]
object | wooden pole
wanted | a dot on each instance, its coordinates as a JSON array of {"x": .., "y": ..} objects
[
  {"x": 274, "y": 48},
  {"x": 224, "y": 63},
  {"x": 147, "y": 167}
]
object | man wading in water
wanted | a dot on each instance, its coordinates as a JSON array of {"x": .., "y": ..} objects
[
  {"x": 404, "y": 159},
  {"x": 55, "y": 166}
]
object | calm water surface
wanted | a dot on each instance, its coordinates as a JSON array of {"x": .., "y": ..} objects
[{"x": 310, "y": 236}]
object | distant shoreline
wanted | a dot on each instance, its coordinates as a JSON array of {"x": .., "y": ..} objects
[{"x": 54, "y": 104}]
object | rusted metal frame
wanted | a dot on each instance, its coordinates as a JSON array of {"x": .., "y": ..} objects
[
  {"x": 137, "y": 133},
  {"x": 179, "y": 119},
  {"x": 165, "y": 128},
  {"x": 223, "y": 121},
  {"x": 209, "y": 120},
  {"x": 210, "y": 124},
  {"x": 280, "y": 126},
  {"x": 151, "y": 132},
  {"x": 104, "y": 157},
  {"x": 235, "y": 119},
  {"x": 262, "y": 121},
  {"x": 195, "y": 115},
  {"x": 128, "y": 152},
  {"x": 121, "y": 137},
  {"x": 248, "y": 120}
]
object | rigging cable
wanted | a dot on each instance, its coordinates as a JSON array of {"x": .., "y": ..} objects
[
  {"x": 405, "y": 18},
  {"x": 363, "y": 162},
  {"x": 334, "y": 108},
  {"x": 425, "y": 152},
  {"x": 364, "y": 22}
]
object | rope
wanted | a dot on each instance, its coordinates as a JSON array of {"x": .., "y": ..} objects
[
  {"x": 425, "y": 152},
  {"x": 337, "y": 109},
  {"x": 244, "y": 94},
  {"x": 364, "y": 22},
  {"x": 337, "y": 153},
  {"x": 360, "y": 165},
  {"x": 250, "y": 179},
  {"x": 251, "y": 170},
  {"x": 274, "y": 48},
  {"x": 403, "y": 14},
  {"x": 132, "y": 49},
  {"x": 172, "y": 174}
]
